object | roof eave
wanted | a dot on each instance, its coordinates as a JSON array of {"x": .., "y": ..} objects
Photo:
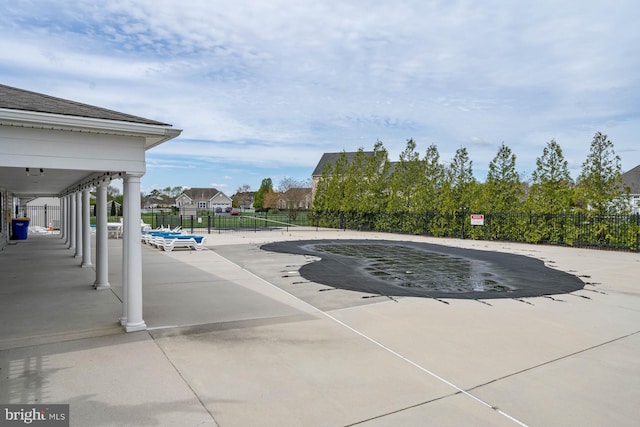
[{"x": 154, "y": 134}]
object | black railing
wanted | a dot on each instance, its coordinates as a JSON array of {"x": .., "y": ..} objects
[
  {"x": 621, "y": 232},
  {"x": 219, "y": 223}
]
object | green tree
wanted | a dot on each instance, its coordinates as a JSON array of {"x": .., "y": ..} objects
[
  {"x": 429, "y": 181},
  {"x": 502, "y": 190},
  {"x": 353, "y": 182},
  {"x": 113, "y": 194},
  {"x": 320, "y": 197},
  {"x": 459, "y": 186},
  {"x": 403, "y": 181},
  {"x": 376, "y": 174},
  {"x": 600, "y": 181},
  {"x": 173, "y": 192},
  {"x": 335, "y": 175},
  {"x": 459, "y": 195},
  {"x": 155, "y": 193},
  {"x": 551, "y": 191},
  {"x": 265, "y": 187}
]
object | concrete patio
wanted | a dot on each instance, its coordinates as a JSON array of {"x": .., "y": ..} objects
[{"x": 237, "y": 338}]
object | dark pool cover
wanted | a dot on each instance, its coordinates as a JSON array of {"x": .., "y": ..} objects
[{"x": 395, "y": 268}]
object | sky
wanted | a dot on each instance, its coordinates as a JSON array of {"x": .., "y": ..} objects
[{"x": 261, "y": 89}]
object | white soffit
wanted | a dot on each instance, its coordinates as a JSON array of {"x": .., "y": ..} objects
[{"x": 153, "y": 134}]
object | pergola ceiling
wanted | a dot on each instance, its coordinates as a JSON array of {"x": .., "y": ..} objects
[{"x": 51, "y": 183}]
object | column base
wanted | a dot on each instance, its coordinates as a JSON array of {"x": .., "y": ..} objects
[
  {"x": 83, "y": 265},
  {"x": 102, "y": 286},
  {"x": 135, "y": 327},
  {"x": 123, "y": 321}
]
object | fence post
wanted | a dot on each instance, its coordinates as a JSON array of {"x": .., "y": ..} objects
[
  {"x": 637, "y": 231},
  {"x": 579, "y": 230}
]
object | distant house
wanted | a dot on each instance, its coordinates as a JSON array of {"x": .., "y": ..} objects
[
  {"x": 159, "y": 202},
  {"x": 631, "y": 179},
  {"x": 244, "y": 200},
  {"x": 295, "y": 198},
  {"x": 203, "y": 199},
  {"x": 330, "y": 159}
]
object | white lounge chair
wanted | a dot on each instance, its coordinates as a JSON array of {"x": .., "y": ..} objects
[
  {"x": 144, "y": 226},
  {"x": 114, "y": 229},
  {"x": 169, "y": 243}
]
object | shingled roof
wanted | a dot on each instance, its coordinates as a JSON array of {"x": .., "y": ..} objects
[
  {"x": 631, "y": 179},
  {"x": 201, "y": 193},
  {"x": 332, "y": 158},
  {"x": 18, "y": 99}
]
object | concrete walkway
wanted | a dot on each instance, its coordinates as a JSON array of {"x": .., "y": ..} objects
[{"x": 237, "y": 338}]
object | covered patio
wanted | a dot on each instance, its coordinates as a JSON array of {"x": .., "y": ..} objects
[{"x": 53, "y": 147}]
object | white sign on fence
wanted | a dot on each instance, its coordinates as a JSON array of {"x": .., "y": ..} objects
[{"x": 477, "y": 219}]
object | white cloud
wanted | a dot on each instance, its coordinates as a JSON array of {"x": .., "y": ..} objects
[{"x": 278, "y": 83}]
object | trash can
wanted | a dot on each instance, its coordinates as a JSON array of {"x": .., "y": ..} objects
[{"x": 20, "y": 228}]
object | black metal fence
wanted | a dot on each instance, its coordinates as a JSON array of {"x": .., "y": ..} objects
[
  {"x": 621, "y": 232},
  {"x": 208, "y": 223}
]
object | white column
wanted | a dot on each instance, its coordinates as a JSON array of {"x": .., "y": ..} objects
[
  {"x": 67, "y": 219},
  {"x": 72, "y": 221},
  {"x": 102, "y": 246},
  {"x": 63, "y": 217},
  {"x": 78, "y": 252},
  {"x": 131, "y": 240},
  {"x": 86, "y": 229},
  {"x": 125, "y": 263}
]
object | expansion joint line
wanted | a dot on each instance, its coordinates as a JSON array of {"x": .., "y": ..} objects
[
  {"x": 189, "y": 386},
  {"x": 382, "y": 346}
]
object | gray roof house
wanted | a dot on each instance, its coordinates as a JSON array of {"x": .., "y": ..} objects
[
  {"x": 631, "y": 179},
  {"x": 295, "y": 198},
  {"x": 195, "y": 199},
  {"x": 332, "y": 158}
]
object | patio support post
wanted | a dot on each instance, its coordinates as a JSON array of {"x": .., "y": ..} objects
[
  {"x": 102, "y": 238},
  {"x": 86, "y": 229},
  {"x": 125, "y": 262},
  {"x": 70, "y": 208},
  {"x": 67, "y": 219},
  {"x": 63, "y": 217},
  {"x": 72, "y": 220},
  {"x": 78, "y": 197},
  {"x": 131, "y": 240}
]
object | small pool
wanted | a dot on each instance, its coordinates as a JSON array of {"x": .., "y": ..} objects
[{"x": 419, "y": 269}]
